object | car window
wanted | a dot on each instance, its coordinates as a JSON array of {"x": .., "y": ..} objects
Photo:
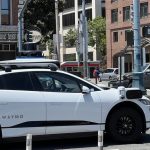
[
  {"x": 148, "y": 69},
  {"x": 57, "y": 82},
  {"x": 109, "y": 70},
  {"x": 92, "y": 88},
  {"x": 16, "y": 81},
  {"x": 116, "y": 71}
]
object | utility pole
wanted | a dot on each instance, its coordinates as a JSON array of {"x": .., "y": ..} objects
[
  {"x": 85, "y": 42},
  {"x": 57, "y": 30},
  {"x": 20, "y": 18},
  {"x": 137, "y": 74}
]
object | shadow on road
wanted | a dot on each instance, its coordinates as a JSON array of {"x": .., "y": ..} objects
[{"x": 82, "y": 143}]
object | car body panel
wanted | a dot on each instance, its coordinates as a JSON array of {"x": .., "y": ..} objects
[
  {"x": 76, "y": 107},
  {"x": 109, "y": 74},
  {"x": 19, "y": 112}
]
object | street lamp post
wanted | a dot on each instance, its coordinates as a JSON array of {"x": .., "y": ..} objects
[
  {"x": 85, "y": 42},
  {"x": 137, "y": 74},
  {"x": 20, "y": 18},
  {"x": 57, "y": 30}
]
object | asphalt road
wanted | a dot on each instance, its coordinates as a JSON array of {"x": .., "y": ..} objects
[{"x": 81, "y": 144}]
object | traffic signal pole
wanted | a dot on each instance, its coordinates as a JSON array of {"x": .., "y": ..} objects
[
  {"x": 19, "y": 34},
  {"x": 20, "y": 18},
  {"x": 57, "y": 31},
  {"x": 85, "y": 42},
  {"x": 137, "y": 74}
]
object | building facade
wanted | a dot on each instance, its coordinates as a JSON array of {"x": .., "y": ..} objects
[
  {"x": 8, "y": 27},
  {"x": 69, "y": 20},
  {"x": 118, "y": 24}
]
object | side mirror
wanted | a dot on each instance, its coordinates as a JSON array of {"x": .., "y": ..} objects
[{"x": 85, "y": 90}]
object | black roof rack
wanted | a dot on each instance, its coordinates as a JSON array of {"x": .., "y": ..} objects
[{"x": 9, "y": 66}]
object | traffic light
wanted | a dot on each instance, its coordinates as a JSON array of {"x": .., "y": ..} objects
[{"x": 29, "y": 36}]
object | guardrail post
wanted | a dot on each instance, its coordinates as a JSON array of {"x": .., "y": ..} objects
[
  {"x": 29, "y": 142},
  {"x": 100, "y": 140}
]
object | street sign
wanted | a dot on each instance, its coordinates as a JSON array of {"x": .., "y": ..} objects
[{"x": 32, "y": 36}]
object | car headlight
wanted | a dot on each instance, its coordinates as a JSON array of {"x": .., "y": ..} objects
[{"x": 145, "y": 101}]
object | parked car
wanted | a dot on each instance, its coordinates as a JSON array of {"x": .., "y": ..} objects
[
  {"x": 108, "y": 74},
  {"x": 43, "y": 101},
  {"x": 128, "y": 77}
]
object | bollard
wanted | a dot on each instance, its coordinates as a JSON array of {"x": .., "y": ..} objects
[
  {"x": 100, "y": 140},
  {"x": 29, "y": 142}
]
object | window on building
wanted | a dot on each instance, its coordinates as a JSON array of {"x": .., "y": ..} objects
[
  {"x": 88, "y": 14},
  {"x": 69, "y": 19},
  {"x": 86, "y": 2},
  {"x": 90, "y": 56},
  {"x": 5, "y": 12},
  {"x": 115, "y": 36},
  {"x": 113, "y": 1},
  {"x": 103, "y": 12},
  {"x": 126, "y": 32},
  {"x": 144, "y": 9},
  {"x": 114, "y": 15},
  {"x": 69, "y": 4},
  {"x": 69, "y": 57},
  {"x": 147, "y": 57},
  {"x": 126, "y": 13}
]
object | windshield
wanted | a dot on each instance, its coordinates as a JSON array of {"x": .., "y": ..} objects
[
  {"x": 109, "y": 70},
  {"x": 144, "y": 67}
]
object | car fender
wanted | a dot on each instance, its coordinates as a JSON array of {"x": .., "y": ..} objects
[{"x": 111, "y": 102}]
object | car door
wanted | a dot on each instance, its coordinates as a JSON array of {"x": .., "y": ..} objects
[
  {"x": 22, "y": 110},
  {"x": 68, "y": 109},
  {"x": 105, "y": 75}
]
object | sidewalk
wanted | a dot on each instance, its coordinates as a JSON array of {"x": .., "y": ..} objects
[{"x": 102, "y": 82}]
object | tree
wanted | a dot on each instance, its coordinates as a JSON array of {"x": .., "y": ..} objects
[
  {"x": 41, "y": 14},
  {"x": 97, "y": 36},
  {"x": 70, "y": 38}
]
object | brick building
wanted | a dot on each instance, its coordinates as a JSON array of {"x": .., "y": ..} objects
[
  {"x": 8, "y": 28},
  {"x": 118, "y": 23}
]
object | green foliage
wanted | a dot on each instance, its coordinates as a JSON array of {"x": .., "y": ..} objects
[
  {"x": 97, "y": 35},
  {"x": 70, "y": 38},
  {"x": 50, "y": 46},
  {"x": 41, "y": 14}
]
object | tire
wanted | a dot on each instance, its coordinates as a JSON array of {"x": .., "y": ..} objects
[{"x": 125, "y": 125}]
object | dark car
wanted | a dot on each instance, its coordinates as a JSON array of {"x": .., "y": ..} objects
[{"x": 128, "y": 77}]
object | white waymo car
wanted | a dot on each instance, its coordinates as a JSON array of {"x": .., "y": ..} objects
[{"x": 49, "y": 101}]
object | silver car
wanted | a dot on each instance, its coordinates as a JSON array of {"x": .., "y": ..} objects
[{"x": 108, "y": 74}]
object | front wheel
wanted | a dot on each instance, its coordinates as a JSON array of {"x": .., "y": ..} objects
[{"x": 125, "y": 125}]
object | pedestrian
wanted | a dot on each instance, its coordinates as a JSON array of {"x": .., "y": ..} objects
[{"x": 96, "y": 74}]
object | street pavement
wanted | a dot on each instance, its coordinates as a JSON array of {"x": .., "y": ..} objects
[{"x": 89, "y": 143}]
